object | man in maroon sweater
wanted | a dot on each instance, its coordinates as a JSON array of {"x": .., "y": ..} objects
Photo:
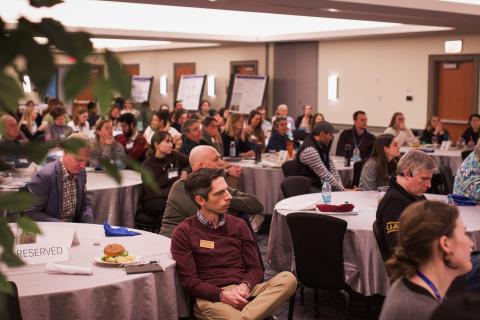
[
  {"x": 217, "y": 260},
  {"x": 134, "y": 143}
]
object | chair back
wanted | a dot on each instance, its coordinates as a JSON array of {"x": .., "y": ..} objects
[
  {"x": 13, "y": 304},
  {"x": 288, "y": 168},
  {"x": 294, "y": 186},
  {"x": 465, "y": 154},
  {"x": 382, "y": 245},
  {"x": 447, "y": 177},
  {"x": 318, "y": 249},
  {"x": 357, "y": 172}
]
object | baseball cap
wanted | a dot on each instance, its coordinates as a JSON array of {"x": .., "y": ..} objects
[{"x": 324, "y": 126}]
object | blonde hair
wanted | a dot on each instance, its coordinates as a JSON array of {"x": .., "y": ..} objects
[
  {"x": 27, "y": 117},
  {"x": 230, "y": 129}
]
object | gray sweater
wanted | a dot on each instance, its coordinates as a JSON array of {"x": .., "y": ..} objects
[
  {"x": 368, "y": 179},
  {"x": 407, "y": 300}
]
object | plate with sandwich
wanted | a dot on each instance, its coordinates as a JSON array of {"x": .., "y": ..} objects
[{"x": 115, "y": 254}]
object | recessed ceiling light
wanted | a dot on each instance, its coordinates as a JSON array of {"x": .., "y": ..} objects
[{"x": 332, "y": 10}]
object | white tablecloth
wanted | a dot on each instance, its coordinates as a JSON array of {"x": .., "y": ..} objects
[
  {"x": 107, "y": 294},
  {"x": 111, "y": 201},
  {"x": 263, "y": 181},
  {"x": 360, "y": 247},
  {"x": 451, "y": 158}
]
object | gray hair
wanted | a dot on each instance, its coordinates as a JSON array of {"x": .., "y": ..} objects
[{"x": 415, "y": 161}]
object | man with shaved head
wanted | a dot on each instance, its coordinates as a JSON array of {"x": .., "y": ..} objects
[{"x": 180, "y": 206}]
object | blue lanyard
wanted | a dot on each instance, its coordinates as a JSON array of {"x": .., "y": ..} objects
[
  {"x": 431, "y": 285},
  {"x": 361, "y": 139}
]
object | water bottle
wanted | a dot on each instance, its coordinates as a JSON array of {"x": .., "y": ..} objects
[
  {"x": 119, "y": 160},
  {"x": 233, "y": 150},
  {"x": 326, "y": 192},
  {"x": 258, "y": 153},
  {"x": 356, "y": 155}
]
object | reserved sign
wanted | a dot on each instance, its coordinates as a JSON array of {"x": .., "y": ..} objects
[{"x": 36, "y": 253}]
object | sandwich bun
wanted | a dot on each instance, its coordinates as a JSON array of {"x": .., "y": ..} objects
[{"x": 113, "y": 250}]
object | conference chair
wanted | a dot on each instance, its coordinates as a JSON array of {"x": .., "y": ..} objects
[
  {"x": 447, "y": 178},
  {"x": 318, "y": 249},
  {"x": 144, "y": 221},
  {"x": 357, "y": 172},
  {"x": 294, "y": 186},
  {"x": 12, "y": 303},
  {"x": 288, "y": 168},
  {"x": 466, "y": 153}
]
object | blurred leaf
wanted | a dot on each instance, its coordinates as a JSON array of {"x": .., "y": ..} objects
[
  {"x": 80, "y": 45},
  {"x": 111, "y": 170},
  {"x": 76, "y": 79},
  {"x": 6, "y": 235},
  {"x": 28, "y": 225},
  {"x": 103, "y": 95},
  {"x": 120, "y": 78},
  {"x": 5, "y": 287},
  {"x": 17, "y": 201},
  {"x": 10, "y": 93},
  {"x": 72, "y": 145},
  {"x": 11, "y": 259},
  {"x": 147, "y": 176},
  {"x": 34, "y": 150},
  {"x": 44, "y": 3}
]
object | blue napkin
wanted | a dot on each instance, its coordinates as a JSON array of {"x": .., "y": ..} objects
[
  {"x": 463, "y": 201},
  {"x": 118, "y": 232}
]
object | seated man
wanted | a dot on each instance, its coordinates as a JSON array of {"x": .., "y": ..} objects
[
  {"x": 467, "y": 179},
  {"x": 192, "y": 133},
  {"x": 313, "y": 160},
  {"x": 211, "y": 134},
  {"x": 134, "y": 143},
  {"x": 415, "y": 170},
  {"x": 358, "y": 137},
  {"x": 216, "y": 257},
  {"x": 10, "y": 140},
  {"x": 180, "y": 206},
  {"x": 60, "y": 186}
]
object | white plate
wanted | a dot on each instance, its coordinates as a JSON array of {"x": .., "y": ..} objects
[
  {"x": 100, "y": 261},
  {"x": 349, "y": 213}
]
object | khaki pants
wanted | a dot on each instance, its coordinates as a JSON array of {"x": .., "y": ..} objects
[{"x": 268, "y": 295}]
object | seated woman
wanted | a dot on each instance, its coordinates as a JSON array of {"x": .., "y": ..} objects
[
  {"x": 397, "y": 127},
  {"x": 433, "y": 249},
  {"x": 434, "y": 131},
  {"x": 106, "y": 146},
  {"x": 166, "y": 166},
  {"x": 203, "y": 109},
  {"x": 467, "y": 179},
  {"x": 472, "y": 133},
  {"x": 282, "y": 111},
  {"x": 28, "y": 125},
  {"x": 129, "y": 108},
  {"x": 234, "y": 132},
  {"x": 317, "y": 117},
  {"x": 79, "y": 122},
  {"x": 382, "y": 163},
  {"x": 254, "y": 129},
  {"x": 113, "y": 115},
  {"x": 179, "y": 118},
  {"x": 58, "y": 130},
  {"x": 279, "y": 139},
  {"x": 160, "y": 123},
  {"x": 304, "y": 122}
]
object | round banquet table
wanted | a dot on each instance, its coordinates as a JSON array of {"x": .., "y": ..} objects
[
  {"x": 116, "y": 203},
  {"x": 107, "y": 294},
  {"x": 451, "y": 158},
  {"x": 264, "y": 180},
  {"x": 364, "y": 266}
]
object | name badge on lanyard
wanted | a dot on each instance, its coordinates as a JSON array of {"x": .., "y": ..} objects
[{"x": 172, "y": 172}]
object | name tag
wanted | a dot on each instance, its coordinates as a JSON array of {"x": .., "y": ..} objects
[
  {"x": 129, "y": 145},
  {"x": 41, "y": 253},
  {"x": 172, "y": 174},
  {"x": 207, "y": 244}
]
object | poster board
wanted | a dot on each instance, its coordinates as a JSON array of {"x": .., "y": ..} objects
[
  {"x": 190, "y": 90},
  {"x": 141, "y": 88},
  {"x": 247, "y": 92}
]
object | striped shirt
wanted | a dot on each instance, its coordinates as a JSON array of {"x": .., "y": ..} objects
[{"x": 205, "y": 222}]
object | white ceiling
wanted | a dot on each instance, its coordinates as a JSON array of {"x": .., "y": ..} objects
[{"x": 195, "y": 23}]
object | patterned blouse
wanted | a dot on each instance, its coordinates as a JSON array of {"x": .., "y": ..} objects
[{"x": 467, "y": 180}]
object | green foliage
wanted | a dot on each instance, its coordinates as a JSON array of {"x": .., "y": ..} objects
[
  {"x": 17, "y": 201},
  {"x": 111, "y": 170},
  {"x": 44, "y": 3},
  {"x": 147, "y": 177},
  {"x": 120, "y": 79}
]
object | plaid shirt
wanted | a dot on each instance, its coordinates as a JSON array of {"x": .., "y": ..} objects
[
  {"x": 69, "y": 195},
  {"x": 311, "y": 158},
  {"x": 207, "y": 223}
]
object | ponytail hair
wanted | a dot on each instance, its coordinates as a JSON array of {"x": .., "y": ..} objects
[
  {"x": 158, "y": 137},
  {"x": 421, "y": 224}
]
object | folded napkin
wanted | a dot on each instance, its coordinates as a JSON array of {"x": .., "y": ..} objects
[
  {"x": 463, "y": 201},
  {"x": 118, "y": 232},
  {"x": 60, "y": 268},
  {"x": 346, "y": 207}
]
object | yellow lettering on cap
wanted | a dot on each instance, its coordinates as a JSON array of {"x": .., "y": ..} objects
[
  {"x": 392, "y": 226},
  {"x": 207, "y": 244}
]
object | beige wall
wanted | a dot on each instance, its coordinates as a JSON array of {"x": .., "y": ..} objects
[
  {"x": 376, "y": 75},
  {"x": 210, "y": 61}
]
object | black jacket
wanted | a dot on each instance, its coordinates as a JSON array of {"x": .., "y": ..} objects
[
  {"x": 366, "y": 146},
  {"x": 390, "y": 209}
]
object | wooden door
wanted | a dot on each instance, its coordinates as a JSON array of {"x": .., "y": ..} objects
[
  {"x": 244, "y": 67},
  {"x": 180, "y": 69},
  {"x": 456, "y": 92},
  {"x": 84, "y": 97},
  {"x": 132, "y": 69}
]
